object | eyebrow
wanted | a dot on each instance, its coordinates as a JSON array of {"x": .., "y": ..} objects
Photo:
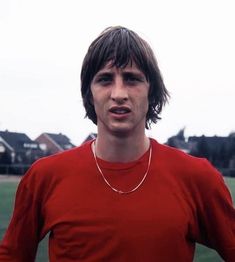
[
  {"x": 136, "y": 74},
  {"x": 133, "y": 73},
  {"x": 107, "y": 72},
  {"x": 103, "y": 74}
]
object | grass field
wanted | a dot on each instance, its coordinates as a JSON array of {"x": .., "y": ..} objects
[{"x": 7, "y": 193}]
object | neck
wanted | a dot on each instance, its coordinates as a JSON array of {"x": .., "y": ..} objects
[{"x": 121, "y": 149}]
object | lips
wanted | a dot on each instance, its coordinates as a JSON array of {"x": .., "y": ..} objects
[{"x": 120, "y": 110}]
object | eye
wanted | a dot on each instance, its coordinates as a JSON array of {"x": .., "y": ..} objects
[
  {"x": 104, "y": 79},
  {"x": 133, "y": 79}
]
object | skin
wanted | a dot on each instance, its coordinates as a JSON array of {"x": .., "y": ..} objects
[{"x": 120, "y": 98}]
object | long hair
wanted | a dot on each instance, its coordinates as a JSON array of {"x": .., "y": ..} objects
[{"x": 121, "y": 46}]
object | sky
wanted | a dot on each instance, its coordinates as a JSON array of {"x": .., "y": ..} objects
[{"x": 43, "y": 43}]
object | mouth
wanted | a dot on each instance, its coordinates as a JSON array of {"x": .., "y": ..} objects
[{"x": 119, "y": 110}]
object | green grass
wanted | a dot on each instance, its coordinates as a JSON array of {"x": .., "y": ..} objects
[
  {"x": 231, "y": 184},
  {"x": 7, "y": 193}
]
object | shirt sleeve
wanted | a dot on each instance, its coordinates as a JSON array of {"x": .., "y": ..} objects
[
  {"x": 216, "y": 215},
  {"x": 23, "y": 234}
]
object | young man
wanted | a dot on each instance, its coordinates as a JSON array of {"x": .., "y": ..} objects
[{"x": 123, "y": 196}]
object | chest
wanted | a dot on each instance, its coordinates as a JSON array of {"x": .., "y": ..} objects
[{"x": 77, "y": 214}]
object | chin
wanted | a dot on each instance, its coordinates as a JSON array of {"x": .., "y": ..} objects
[
  {"x": 121, "y": 131},
  {"x": 121, "y": 134}
]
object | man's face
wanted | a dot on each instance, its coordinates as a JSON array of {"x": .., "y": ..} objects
[{"x": 120, "y": 98}]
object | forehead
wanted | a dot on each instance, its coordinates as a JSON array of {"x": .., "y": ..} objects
[{"x": 130, "y": 67}]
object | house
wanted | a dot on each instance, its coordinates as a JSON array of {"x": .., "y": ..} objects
[
  {"x": 91, "y": 136},
  {"x": 217, "y": 149},
  {"x": 54, "y": 143},
  {"x": 220, "y": 151},
  {"x": 179, "y": 141},
  {"x": 18, "y": 148}
]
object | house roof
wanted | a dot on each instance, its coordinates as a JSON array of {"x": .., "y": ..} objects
[
  {"x": 62, "y": 140},
  {"x": 180, "y": 142},
  {"x": 91, "y": 136},
  {"x": 17, "y": 141},
  {"x": 212, "y": 142}
]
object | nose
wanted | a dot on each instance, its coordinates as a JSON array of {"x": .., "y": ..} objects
[{"x": 119, "y": 92}]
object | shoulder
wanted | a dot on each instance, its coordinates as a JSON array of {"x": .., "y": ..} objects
[
  {"x": 182, "y": 166},
  {"x": 65, "y": 158},
  {"x": 54, "y": 168},
  {"x": 173, "y": 156}
]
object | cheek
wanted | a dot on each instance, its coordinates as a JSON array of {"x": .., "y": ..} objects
[
  {"x": 94, "y": 98},
  {"x": 145, "y": 101},
  {"x": 97, "y": 101},
  {"x": 145, "y": 105}
]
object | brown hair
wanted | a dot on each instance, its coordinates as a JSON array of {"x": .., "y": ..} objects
[{"x": 120, "y": 46}]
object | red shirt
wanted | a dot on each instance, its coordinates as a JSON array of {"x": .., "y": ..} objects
[{"x": 182, "y": 201}]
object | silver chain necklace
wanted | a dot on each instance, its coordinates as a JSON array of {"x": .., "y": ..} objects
[{"x": 107, "y": 182}]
